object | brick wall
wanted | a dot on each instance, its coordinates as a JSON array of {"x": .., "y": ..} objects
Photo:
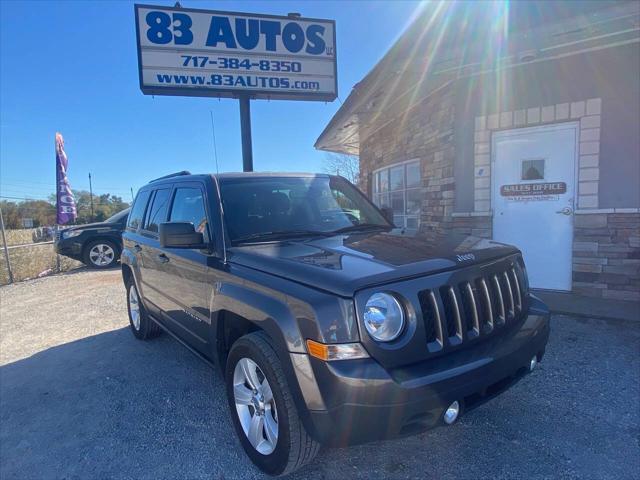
[
  {"x": 472, "y": 224},
  {"x": 606, "y": 255},
  {"x": 606, "y": 249},
  {"x": 424, "y": 132}
]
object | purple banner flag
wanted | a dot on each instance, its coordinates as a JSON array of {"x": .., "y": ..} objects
[{"x": 65, "y": 203}]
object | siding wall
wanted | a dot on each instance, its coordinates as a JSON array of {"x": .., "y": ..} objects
[{"x": 612, "y": 74}]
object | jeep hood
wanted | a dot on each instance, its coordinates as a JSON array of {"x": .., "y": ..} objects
[
  {"x": 98, "y": 226},
  {"x": 344, "y": 264}
]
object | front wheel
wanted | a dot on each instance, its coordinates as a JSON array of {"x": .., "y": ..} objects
[
  {"x": 101, "y": 254},
  {"x": 262, "y": 408}
]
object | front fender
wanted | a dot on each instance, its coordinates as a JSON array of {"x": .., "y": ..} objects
[
  {"x": 266, "y": 311},
  {"x": 290, "y": 313},
  {"x": 128, "y": 260}
]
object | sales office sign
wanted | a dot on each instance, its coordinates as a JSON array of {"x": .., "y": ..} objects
[{"x": 191, "y": 52}]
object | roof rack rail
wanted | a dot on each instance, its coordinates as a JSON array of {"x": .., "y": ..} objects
[{"x": 177, "y": 174}]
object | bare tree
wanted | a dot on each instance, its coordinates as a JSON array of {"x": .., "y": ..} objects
[{"x": 347, "y": 166}]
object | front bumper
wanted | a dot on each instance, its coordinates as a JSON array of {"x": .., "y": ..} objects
[
  {"x": 69, "y": 248},
  {"x": 365, "y": 402}
]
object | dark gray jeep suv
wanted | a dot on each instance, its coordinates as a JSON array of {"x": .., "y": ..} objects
[{"x": 329, "y": 325}]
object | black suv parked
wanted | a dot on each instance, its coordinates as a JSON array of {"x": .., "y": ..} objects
[
  {"x": 98, "y": 245},
  {"x": 329, "y": 325}
]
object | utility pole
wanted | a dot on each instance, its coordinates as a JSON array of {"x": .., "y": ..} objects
[
  {"x": 245, "y": 132},
  {"x": 132, "y": 197},
  {"x": 91, "y": 196},
  {"x": 6, "y": 249}
]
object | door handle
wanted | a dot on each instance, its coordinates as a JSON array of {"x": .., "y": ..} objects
[
  {"x": 163, "y": 258},
  {"x": 137, "y": 248},
  {"x": 566, "y": 211}
]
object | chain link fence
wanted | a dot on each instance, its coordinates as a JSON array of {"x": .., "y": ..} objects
[{"x": 29, "y": 259}]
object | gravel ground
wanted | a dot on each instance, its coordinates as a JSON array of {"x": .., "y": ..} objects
[{"x": 81, "y": 398}]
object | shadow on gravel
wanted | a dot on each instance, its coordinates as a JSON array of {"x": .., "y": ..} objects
[{"x": 110, "y": 406}]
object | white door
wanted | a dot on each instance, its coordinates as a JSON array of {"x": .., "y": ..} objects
[{"x": 533, "y": 199}]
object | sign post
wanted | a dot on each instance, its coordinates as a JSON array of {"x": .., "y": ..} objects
[
  {"x": 208, "y": 53},
  {"x": 245, "y": 133}
]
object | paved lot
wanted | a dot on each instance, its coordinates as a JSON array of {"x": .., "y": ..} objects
[{"x": 81, "y": 398}]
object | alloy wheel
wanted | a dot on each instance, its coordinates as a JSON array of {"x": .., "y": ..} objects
[
  {"x": 134, "y": 307},
  {"x": 101, "y": 255},
  {"x": 255, "y": 406}
]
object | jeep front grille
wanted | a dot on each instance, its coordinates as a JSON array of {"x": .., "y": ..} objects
[{"x": 484, "y": 302}]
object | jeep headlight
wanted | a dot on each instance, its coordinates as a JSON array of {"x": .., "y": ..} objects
[
  {"x": 383, "y": 317},
  {"x": 71, "y": 233}
]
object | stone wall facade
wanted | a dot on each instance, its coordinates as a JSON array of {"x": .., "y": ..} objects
[
  {"x": 477, "y": 225},
  {"x": 606, "y": 255},
  {"x": 606, "y": 245},
  {"x": 424, "y": 132}
]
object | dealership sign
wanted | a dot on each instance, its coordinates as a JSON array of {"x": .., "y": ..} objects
[{"x": 191, "y": 52}]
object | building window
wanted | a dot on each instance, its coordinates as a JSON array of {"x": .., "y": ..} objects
[
  {"x": 398, "y": 187},
  {"x": 533, "y": 169}
]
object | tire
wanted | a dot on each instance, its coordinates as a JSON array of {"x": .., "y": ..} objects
[
  {"x": 101, "y": 254},
  {"x": 294, "y": 447},
  {"x": 142, "y": 326}
]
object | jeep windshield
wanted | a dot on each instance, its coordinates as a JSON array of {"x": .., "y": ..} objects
[{"x": 258, "y": 209}]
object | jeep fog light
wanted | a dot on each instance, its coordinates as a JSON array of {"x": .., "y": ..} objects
[
  {"x": 383, "y": 317},
  {"x": 451, "y": 413},
  {"x": 533, "y": 363},
  {"x": 339, "y": 351}
]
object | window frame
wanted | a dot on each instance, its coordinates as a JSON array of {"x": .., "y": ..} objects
[
  {"x": 376, "y": 195},
  {"x": 203, "y": 191},
  {"x": 152, "y": 199},
  {"x": 144, "y": 211}
]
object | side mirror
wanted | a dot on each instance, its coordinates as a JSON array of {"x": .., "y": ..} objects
[
  {"x": 387, "y": 212},
  {"x": 180, "y": 235}
]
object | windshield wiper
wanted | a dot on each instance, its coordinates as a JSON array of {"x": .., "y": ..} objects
[
  {"x": 362, "y": 226},
  {"x": 278, "y": 235}
]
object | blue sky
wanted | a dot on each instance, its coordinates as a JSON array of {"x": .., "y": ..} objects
[{"x": 72, "y": 67}]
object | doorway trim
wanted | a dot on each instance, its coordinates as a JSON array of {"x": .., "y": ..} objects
[{"x": 514, "y": 132}]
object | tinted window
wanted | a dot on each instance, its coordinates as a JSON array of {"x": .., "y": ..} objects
[
  {"x": 137, "y": 211},
  {"x": 257, "y": 206},
  {"x": 188, "y": 206},
  {"x": 158, "y": 211}
]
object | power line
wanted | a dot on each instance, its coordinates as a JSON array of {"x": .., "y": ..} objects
[
  {"x": 53, "y": 185},
  {"x": 33, "y": 192},
  {"x": 27, "y": 199},
  {"x": 23, "y": 198},
  {"x": 14, "y": 186}
]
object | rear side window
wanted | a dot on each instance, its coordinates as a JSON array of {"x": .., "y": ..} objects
[
  {"x": 157, "y": 213},
  {"x": 137, "y": 211},
  {"x": 188, "y": 206}
]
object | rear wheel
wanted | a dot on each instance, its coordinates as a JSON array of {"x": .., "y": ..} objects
[
  {"x": 262, "y": 408},
  {"x": 141, "y": 325},
  {"x": 101, "y": 254}
]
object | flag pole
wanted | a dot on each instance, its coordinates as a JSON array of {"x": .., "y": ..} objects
[{"x": 56, "y": 230}]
